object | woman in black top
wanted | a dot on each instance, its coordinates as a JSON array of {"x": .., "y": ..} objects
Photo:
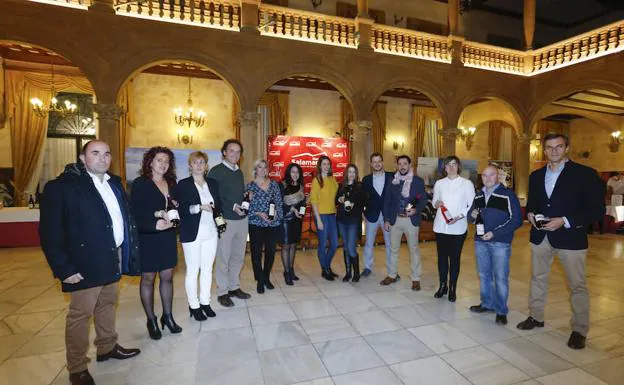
[
  {"x": 157, "y": 235},
  {"x": 293, "y": 199},
  {"x": 350, "y": 202}
]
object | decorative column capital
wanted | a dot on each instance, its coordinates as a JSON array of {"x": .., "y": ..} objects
[
  {"x": 247, "y": 118},
  {"x": 108, "y": 111},
  {"x": 524, "y": 139},
  {"x": 360, "y": 129},
  {"x": 449, "y": 133}
]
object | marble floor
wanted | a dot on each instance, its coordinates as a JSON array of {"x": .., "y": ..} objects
[{"x": 322, "y": 333}]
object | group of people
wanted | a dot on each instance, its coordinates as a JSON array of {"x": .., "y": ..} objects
[{"x": 92, "y": 234}]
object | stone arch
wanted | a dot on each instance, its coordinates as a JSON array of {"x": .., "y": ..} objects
[
  {"x": 550, "y": 110},
  {"x": 138, "y": 63},
  {"x": 537, "y": 110},
  {"x": 515, "y": 118},
  {"x": 429, "y": 89}
]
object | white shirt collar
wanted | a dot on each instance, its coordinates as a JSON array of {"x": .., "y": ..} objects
[
  {"x": 228, "y": 165},
  {"x": 97, "y": 179}
]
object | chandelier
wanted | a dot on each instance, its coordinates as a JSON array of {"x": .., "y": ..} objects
[
  {"x": 189, "y": 116},
  {"x": 64, "y": 109}
]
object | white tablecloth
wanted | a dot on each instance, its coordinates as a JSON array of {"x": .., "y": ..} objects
[
  {"x": 18, "y": 214},
  {"x": 616, "y": 212}
]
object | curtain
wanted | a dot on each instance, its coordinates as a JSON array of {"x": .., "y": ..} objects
[
  {"x": 507, "y": 143},
  {"x": 2, "y": 97},
  {"x": 277, "y": 103},
  {"x": 28, "y": 130},
  {"x": 126, "y": 123},
  {"x": 235, "y": 123},
  {"x": 425, "y": 124},
  {"x": 494, "y": 139},
  {"x": 379, "y": 126},
  {"x": 58, "y": 153}
]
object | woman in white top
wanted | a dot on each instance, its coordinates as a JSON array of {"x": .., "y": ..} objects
[
  {"x": 452, "y": 198},
  {"x": 198, "y": 197}
]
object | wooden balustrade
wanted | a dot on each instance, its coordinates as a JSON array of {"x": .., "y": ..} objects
[
  {"x": 302, "y": 25},
  {"x": 404, "y": 42},
  {"x": 493, "y": 58},
  {"x": 598, "y": 42},
  {"x": 83, "y": 4},
  {"x": 223, "y": 14}
]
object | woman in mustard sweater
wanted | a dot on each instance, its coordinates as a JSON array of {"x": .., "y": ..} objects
[{"x": 322, "y": 199}]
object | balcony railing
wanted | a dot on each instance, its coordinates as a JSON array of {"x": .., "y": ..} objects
[
  {"x": 593, "y": 44},
  {"x": 493, "y": 58},
  {"x": 404, "y": 42},
  {"x": 302, "y": 25},
  {"x": 81, "y": 4},
  {"x": 222, "y": 14}
]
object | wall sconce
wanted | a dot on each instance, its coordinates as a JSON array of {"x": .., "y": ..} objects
[
  {"x": 614, "y": 146},
  {"x": 316, "y": 3},
  {"x": 535, "y": 146},
  {"x": 185, "y": 137},
  {"x": 398, "y": 143},
  {"x": 467, "y": 135}
]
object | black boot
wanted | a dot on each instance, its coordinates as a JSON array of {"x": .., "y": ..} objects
[
  {"x": 293, "y": 275},
  {"x": 288, "y": 277},
  {"x": 260, "y": 287},
  {"x": 152, "y": 329},
  {"x": 168, "y": 321},
  {"x": 355, "y": 262},
  {"x": 452, "y": 297},
  {"x": 198, "y": 314},
  {"x": 327, "y": 274},
  {"x": 442, "y": 290},
  {"x": 347, "y": 263}
]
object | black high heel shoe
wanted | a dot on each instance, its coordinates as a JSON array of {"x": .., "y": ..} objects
[
  {"x": 207, "y": 310},
  {"x": 198, "y": 314},
  {"x": 168, "y": 321},
  {"x": 452, "y": 297},
  {"x": 293, "y": 275},
  {"x": 288, "y": 278},
  {"x": 268, "y": 284},
  {"x": 441, "y": 291},
  {"x": 152, "y": 329}
]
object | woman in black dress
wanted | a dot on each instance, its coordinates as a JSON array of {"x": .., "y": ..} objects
[
  {"x": 151, "y": 204},
  {"x": 293, "y": 200},
  {"x": 350, "y": 203}
]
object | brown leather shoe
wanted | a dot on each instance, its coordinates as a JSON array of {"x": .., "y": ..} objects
[
  {"x": 416, "y": 285},
  {"x": 238, "y": 293},
  {"x": 225, "y": 300},
  {"x": 81, "y": 378},
  {"x": 576, "y": 341},
  {"x": 118, "y": 353},
  {"x": 388, "y": 280}
]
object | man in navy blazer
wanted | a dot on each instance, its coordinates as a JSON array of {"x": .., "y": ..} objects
[
  {"x": 564, "y": 198},
  {"x": 403, "y": 204},
  {"x": 375, "y": 187}
]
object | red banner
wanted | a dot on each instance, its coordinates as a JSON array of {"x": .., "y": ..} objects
[{"x": 283, "y": 150}]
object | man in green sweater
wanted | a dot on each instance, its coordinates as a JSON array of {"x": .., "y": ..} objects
[{"x": 231, "y": 248}]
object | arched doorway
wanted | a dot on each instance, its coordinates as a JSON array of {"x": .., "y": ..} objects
[{"x": 48, "y": 113}]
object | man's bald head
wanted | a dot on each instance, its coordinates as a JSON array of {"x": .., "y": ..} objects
[
  {"x": 96, "y": 157},
  {"x": 489, "y": 175}
]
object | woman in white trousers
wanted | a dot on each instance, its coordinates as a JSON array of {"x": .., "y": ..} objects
[{"x": 199, "y": 206}]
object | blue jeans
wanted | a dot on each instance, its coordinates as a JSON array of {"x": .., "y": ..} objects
[
  {"x": 349, "y": 233},
  {"x": 493, "y": 269},
  {"x": 329, "y": 233},
  {"x": 371, "y": 234}
]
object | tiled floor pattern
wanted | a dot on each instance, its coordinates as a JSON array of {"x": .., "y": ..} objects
[{"x": 323, "y": 333}]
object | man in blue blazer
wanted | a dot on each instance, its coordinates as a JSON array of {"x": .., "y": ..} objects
[
  {"x": 403, "y": 204},
  {"x": 564, "y": 198},
  {"x": 375, "y": 187}
]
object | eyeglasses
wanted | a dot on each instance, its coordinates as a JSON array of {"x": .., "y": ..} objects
[
  {"x": 451, "y": 164},
  {"x": 558, "y": 147}
]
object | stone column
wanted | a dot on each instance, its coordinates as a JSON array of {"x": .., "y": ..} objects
[
  {"x": 529, "y": 23},
  {"x": 364, "y": 33},
  {"x": 253, "y": 144},
  {"x": 449, "y": 138},
  {"x": 521, "y": 167},
  {"x": 453, "y": 17},
  {"x": 108, "y": 115},
  {"x": 102, "y": 6},
  {"x": 362, "y": 8},
  {"x": 361, "y": 147},
  {"x": 249, "y": 16}
]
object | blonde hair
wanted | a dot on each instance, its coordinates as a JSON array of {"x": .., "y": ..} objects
[
  {"x": 258, "y": 163},
  {"x": 197, "y": 155}
]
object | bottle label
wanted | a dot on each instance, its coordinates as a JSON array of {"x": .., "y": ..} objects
[
  {"x": 244, "y": 205},
  {"x": 302, "y": 210},
  {"x": 272, "y": 210},
  {"x": 446, "y": 214},
  {"x": 220, "y": 221},
  {"x": 480, "y": 229},
  {"x": 173, "y": 215}
]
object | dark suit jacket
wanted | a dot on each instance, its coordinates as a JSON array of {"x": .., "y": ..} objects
[
  {"x": 578, "y": 195},
  {"x": 76, "y": 231},
  {"x": 187, "y": 195},
  {"x": 374, "y": 202},
  {"x": 393, "y": 197}
]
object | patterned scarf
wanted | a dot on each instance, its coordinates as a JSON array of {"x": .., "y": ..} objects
[{"x": 407, "y": 179}]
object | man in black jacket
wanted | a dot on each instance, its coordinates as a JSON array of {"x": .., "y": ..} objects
[
  {"x": 89, "y": 239},
  {"x": 564, "y": 198}
]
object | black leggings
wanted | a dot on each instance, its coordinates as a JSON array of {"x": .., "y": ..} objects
[
  {"x": 449, "y": 249},
  {"x": 262, "y": 238}
]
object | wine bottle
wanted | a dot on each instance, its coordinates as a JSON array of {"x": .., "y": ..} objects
[
  {"x": 271, "y": 210},
  {"x": 541, "y": 220},
  {"x": 479, "y": 224},
  {"x": 302, "y": 210},
  {"x": 245, "y": 204},
  {"x": 410, "y": 205},
  {"x": 31, "y": 202},
  {"x": 347, "y": 204},
  {"x": 219, "y": 220},
  {"x": 446, "y": 214},
  {"x": 172, "y": 213}
]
